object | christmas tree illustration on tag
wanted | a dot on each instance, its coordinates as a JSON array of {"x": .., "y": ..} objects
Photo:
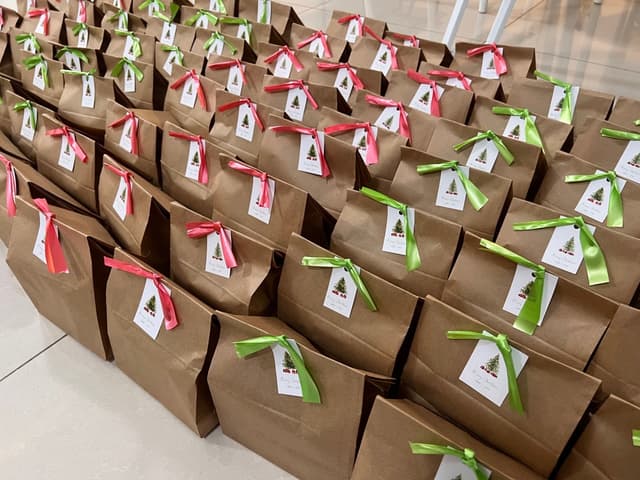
[
  {"x": 340, "y": 288},
  {"x": 150, "y": 306},
  {"x": 387, "y": 123},
  {"x": 217, "y": 252},
  {"x": 596, "y": 197},
  {"x": 245, "y": 121},
  {"x": 235, "y": 79},
  {"x": 452, "y": 189},
  {"x": 492, "y": 367},
  {"x": 312, "y": 154},
  {"x": 635, "y": 161},
  {"x": 526, "y": 290},
  {"x": 515, "y": 132},
  {"x": 195, "y": 160},
  {"x": 296, "y": 103},
  {"x": 287, "y": 364},
  {"x": 482, "y": 158},
  {"x": 398, "y": 229},
  {"x": 569, "y": 247}
]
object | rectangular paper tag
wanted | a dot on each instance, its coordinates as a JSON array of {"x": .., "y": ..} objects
[
  {"x": 262, "y": 5},
  {"x": 38, "y": 247},
  {"x": 38, "y": 77},
  {"x": 88, "y": 91},
  {"x": 423, "y": 97},
  {"x": 382, "y": 62},
  {"x": 389, "y": 119},
  {"x": 452, "y": 468},
  {"x": 123, "y": 20},
  {"x": 129, "y": 79},
  {"x": 25, "y": 130},
  {"x": 214, "y": 6},
  {"x": 451, "y": 193},
  {"x": 457, "y": 83},
  {"x": 168, "y": 35},
  {"x": 352, "y": 30},
  {"x": 189, "y": 93},
  {"x": 283, "y": 66},
  {"x": 308, "y": 155},
  {"x": 341, "y": 292},
  {"x": 40, "y": 26},
  {"x": 287, "y": 378},
  {"x": 83, "y": 39},
  {"x": 202, "y": 22},
  {"x": 555, "y": 107},
  {"x": 515, "y": 128},
  {"x": 215, "y": 263},
  {"x": 360, "y": 140},
  {"x": 243, "y": 33},
  {"x": 317, "y": 47},
  {"x": 564, "y": 250},
  {"x": 629, "y": 164},
  {"x": 234, "y": 80},
  {"x": 296, "y": 104},
  {"x": 72, "y": 61},
  {"x": 128, "y": 49},
  {"x": 246, "y": 123},
  {"x": 67, "y": 157},
  {"x": 255, "y": 210},
  {"x": 594, "y": 202},
  {"x": 483, "y": 155},
  {"x": 168, "y": 63},
  {"x": 149, "y": 315},
  {"x": 488, "y": 66},
  {"x": 192, "y": 170},
  {"x": 343, "y": 83},
  {"x": 394, "y": 232},
  {"x": 125, "y": 137},
  {"x": 152, "y": 9},
  {"x": 29, "y": 47},
  {"x": 521, "y": 286},
  {"x": 216, "y": 47},
  {"x": 120, "y": 202}
]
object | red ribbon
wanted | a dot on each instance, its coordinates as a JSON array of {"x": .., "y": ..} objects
[
  {"x": 127, "y": 180},
  {"x": 386, "y": 43},
  {"x": 264, "y": 200},
  {"x": 10, "y": 186},
  {"x": 77, "y": 149},
  {"x": 372, "y": 145},
  {"x": 415, "y": 43},
  {"x": 38, "y": 12},
  {"x": 435, "y": 100},
  {"x": 134, "y": 129},
  {"x": 452, "y": 74},
  {"x": 243, "y": 101},
  {"x": 284, "y": 50},
  {"x": 323, "y": 39},
  {"x": 1, "y": 18},
  {"x": 348, "y": 18},
  {"x": 314, "y": 134},
  {"x": 196, "y": 79},
  {"x": 82, "y": 13},
  {"x": 168, "y": 309},
  {"x": 357, "y": 83},
  {"x": 405, "y": 131},
  {"x": 228, "y": 64},
  {"x": 203, "y": 172},
  {"x": 56, "y": 263},
  {"x": 498, "y": 60},
  {"x": 281, "y": 87},
  {"x": 202, "y": 229}
]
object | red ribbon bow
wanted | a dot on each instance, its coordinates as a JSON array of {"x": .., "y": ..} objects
[
  {"x": 323, "y": 39},
  {"x": 386, "y": 43},
  {"x": 38, "y": 12},
  {"x": 228, "y": 64},
  {"x": 372, "y": 145},
  {"x": 284, "y": 50},
  {"x": 134, "y": 129},
  {"x": 452, "y": 74},
  {"x": 264, "y": 200},
  {"x": 415, "y": 43},
  {"x": 127, "y": 176},
  {"x": 357, "y": 83},
  {"x": 71, "y": 140},
  {"x": 10, "y": 187},
  {"x": 316, "y": 138},
  {"x": 405, "y": 131},
  {"x": 56, "y": 263},
  {"x": 281, "y": 87},
  {"x": 203, "y": 172},
  {"x": 202, "y": 229},
  {"x": 168, "y": 309},
  {"x": 244, "y": 101},
  {"x": 196, "y": 79},
  {"x": 82, "y": 12},
  {"x": 348, "y": 18},
  {"x": 435, "y": 99},
  {"x": 498, "y": 60}
]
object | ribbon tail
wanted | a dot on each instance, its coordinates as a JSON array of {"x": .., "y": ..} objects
[
  {"x": 615, "y": 215},
  {"x": 529, "y": 315},
  {"x": 514, "y": 391},
  {"x": 566, "y": 115},
  {"x": 56, "y": 263},
  {"x": 532, "y": 134},
  {"x": 413, "y": 261},
  {"x": 475, "y": 196},
  {"x": 264, "y": 200},
  {"x": 594, "y": 260}
]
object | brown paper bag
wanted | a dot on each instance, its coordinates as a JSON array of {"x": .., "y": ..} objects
[
  {"x": 22, "y": 6},
  {"x": 22, "y": 133},
  {"x": 360, "y": 234},
  {"x": 145, "y": 232},
  {"x": 33, "y": 79},
  {"x": 554, "y": 396},
  {"x": 291, "y": 210},
  {"x": 299, "y": 437},
  {"x": 303, "y": 38},
  {"x": 571, "y": 309},
  {"x": 91, "y": 15},
  {"x": 625, "y": 112},
  {"x": 279, "y": 15},
  {"x": 5, "y": 86},
  {"x": 196, "y": 17},
  {"x": 111, "y": 20},
  {"x": 224, "y": 71},
  {"x": 482, "y": 87},
  {"x": 521, "y": 63},
  {"x": 141, "y": 93},
  {"x": 394, "y": 424},
  {"x": 182, "y": 37},
  {"x": 273, "y": 56},
  {"x": 227, "y": 46},
  {"x": 74, "y": 301},
  {"x": 49, "y": 29},
  {"x": 335, "y": 76},
  {"x": 253, "y": 33},
  {"x": 171, "y": 367},
  {"x": 349, "y": 26},
  {"x": 421, "y": 192},
  {"x": 368, "y": 52},
  {"x": 71, "y": 58},
  {"x": 26, "y": 49},
  {"x": 251, "y": 286},
  {"x": 605, "y": 449},
  {"x": 526, "y": 171},
  {"x": 10, "y": 18},
  {"x": 165, "y": 59},
  {"x": 6, "y": 62},
  {"x": 116, "y": 48},
  {"x": 95, "y": 36},
  {"x": 617, "y": 248},
  {"x": 432, "y": 52}
]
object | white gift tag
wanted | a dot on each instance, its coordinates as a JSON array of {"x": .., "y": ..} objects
[
  {"x": 564, "y": 250},
  {"x": 126, "y": 142},
  {"x": 486, "y": 372},
  {"x": 88, "y": 91},
  {"x": 129, "y": 79},
  {"x": 457, "y": 83},
  {"x": 234, "y": 80},
  {"x": 389, "y": 119},
  {"x": 452, "y": 468},
  {"x": 353, "y": 30},
  {"x": 521, "y": 286},
  {"x": 25, "y": 130},
  {"x": 214, "y": 6},
  {"x": 38, "y": 77},
  {"x": 555, "y": 107},
  {"x": 483, "y": 155},
  {"x": 149, "y": 315},
  {"x": 246, "y": 122},
  {"x": 40, "y": 26},
  {"x": 243, "y": 33},
  {"x": 515, "y": 128},
  {"x": 287, "y": 378},
  {"x": 424, "y": 96},
  {"x": 123, "y": 21},
  {"x": 317, "y": 47},
  {"x": 152, "y": 9},
  {"x": 283, "y": 66},
  {"x": 308, "y": 155},
  {"x": 360, "y": 141},
  {"x": 168, "y": 35},
  {"x": 488, "y": 69},
  {"x": 255, "y": 210},
  {"x": 215, "y": 263},
  {"x": 83, "y": 38},
  {"x": 344, "y": 83},
  {"x": 382, "y": 62},
  {"x": 296, "y": 104},
  {"x": 72, "y": 61},
  {"x": 28, "y": 46},
  {"x": 202, "y": 22},
  {"x": 341, "y": 292},
  {"x": 67, "y": 157},
  {"x": 629, "y": 164},
  {"x": 189, "y": 93},
  {"x": 117, "y": 4},
  {"x": 451, "y": 192},
  {"x": 394, "y": 232},
  {"x": 38, "y": 247},
  {"x": 216, "y": 47},
  {"x": 192, "y": 171},
  {"x": 120, "y": 202},
  {"x": 168, "y": 63},
  {"x": 594, "y": 202},
  {"x": 129, "y": 51},
  {"x": 262, "y": 6}
]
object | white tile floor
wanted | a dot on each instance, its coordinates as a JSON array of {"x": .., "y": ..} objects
[{"x": 65, "y": 415}]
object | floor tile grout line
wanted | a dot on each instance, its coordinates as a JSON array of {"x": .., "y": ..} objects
[
  {"x": 32, "y": 358},
  {"x": 519, "y": 17}
]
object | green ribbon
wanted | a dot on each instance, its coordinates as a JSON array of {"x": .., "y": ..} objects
[
  {"x": 90, "y": 73},
  {"x": 173, "y": 9},
  {"x": 23, "y": 37},
  {"x": 148, "y": 3},
  {"x": 73, "y": 51},
  {"x": 475, "y": 196},
  {"x": 200, "y": 13},
  {"x": 594, "y": 260},
  {"x": 615, "y": 215},
  {"x": 619, "y": 134},
  {"x": 466, "y": 456},
  {"x": 117, "y": 69},
  {"x": 137, "y": 48},
  {"x": 18, "y": 107},
  {"x": 489, "y": 135},
  {"x": 31, "y": 62},
  {"x": 116, "y": 16},
  {"x": 174, "y": 48},
  {"x": 78, "y": 28},
  {"x": 218, "y": 36},
  {"x": 240, "y": 21},
  {"x": 263, "y": 17},
  {"x": 412, "y": 255},
  {"x": 566, "y": 113},
  {"x": 531, "y": 133},
  {"x": 529, "y": 317},
  {"x": 502, "y": 342},
  {"x": 635, "y": 437},
  {"x": 244, "y": 348},
  {"x": 222, "y": 8},
  {"x": 329, "y": 262}
]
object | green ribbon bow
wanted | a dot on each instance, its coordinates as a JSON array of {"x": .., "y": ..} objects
[
  {"x": 174, "y": 48},
  {"x": 90, "y": 73},
  {"x": 619, "y": 134},
  {"x": 635, "y": 437},
  {"x": 466, "y": 456},
  {"x": 31, "y": 62},
  {"x": 222, "y": 8},
  {"x": 18, "y": 107},
  {"x": 263, "y": 17},
  {"x": 240, "y": 21},
  {"x": 531, "y": 133},
  {"x": 125, "y": 18},
  {"x": 73, "y": 51},
  {"x": 137, "y": 48},
  {"x": 615, "y": 215},
  {"x": 117, "y": 69},
  {"x": 637, "y": 123},
  {"x": 594, "y": 260},
  {"x": 202, "y": 13},
  {"x": 78, "y": 28},
  {"x": 502, "y": 342},
  {"x": 147, "y": 3},
  {"x": 218, "y": 36},
  {"x": 412, "y": 255},
  {"x": 566, "y": 113},
  {"x": 328, "y": 262},
  {"x": 244, "y": 348},
  {"x": 475, "y": 196},
  {"x": 174, "y": 8},
  {"x": 489, "y": 135},
  {"x": 529, "y": 317},
  {"x": 23, "y": 37}
]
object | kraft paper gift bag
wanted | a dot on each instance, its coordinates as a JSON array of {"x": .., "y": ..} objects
[
  {"x": 362, "y": 323},
  {"x": 8, "y": 147},
  {"x": 170, "y": 34},
  {"x": 284, "y": 62},
  {"x": 368, "y": 233},
  {"x": 137, "y": 80},
  {"x": 566, "y": 323},
  {"x": 266, "y": 208},
  {"x": 22, "y": 7},
  {"x": 608, "y": 448},
  {"x": 496, "y": 62},
  {"x": 226, "y": 71},
  {"x": 78, "y": 59},
  {"x": 490, "y": 152},
  {"x": 482, "y": 87},
  {"x": 208, "y": 43},
  {"x": 168, "y": 358},
  {"x": 317, "y": 163},
  {"x": 240, "y": 125},
  {"x": 471, "y": 198},
  {"x": 375, "y": 53},
  {"x": 148, "y": 9},
  {"x": 348, "y": 80},
  {"x": 199, "y": 17},
  {"x": 84, "y": 11},
  {"x": 229, "y": 271},
  {"x": 25, "y": 45},
  {"x": 136, "y": 212},
  {"x": 559, "y": 246},
  {"x": 56, "y": 255},
  {"x": 10, "y": 18},
  {"x": 42, "y": 79},
  {"x": 167, "y": 56},
  {"x": 120, "y": 19},
  {"x": 25, "y": 117},
  {"x": 251, "y": 32},
  {"x": 43, "y": 22},
  {"x": 325, "y": 48},
  {"x": 577, "y": 187},
  {"x": 134, "y": 46},
  {"x": 459, "y": 366},
  {"x": 350, "y": 26},
  {"x": 404, "y": 440},
  {"x": 5, "y": 86},
  {"x": 297, "y": 435},
  {"x": 280, "y": 16},
  {"x": 6, "y": 61},
  {"x": 626, "y": 112},
  {"x": 83, "y": 35},
  {"x": 224, "y": 7},
  {"x": 432, "y": 52}
]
